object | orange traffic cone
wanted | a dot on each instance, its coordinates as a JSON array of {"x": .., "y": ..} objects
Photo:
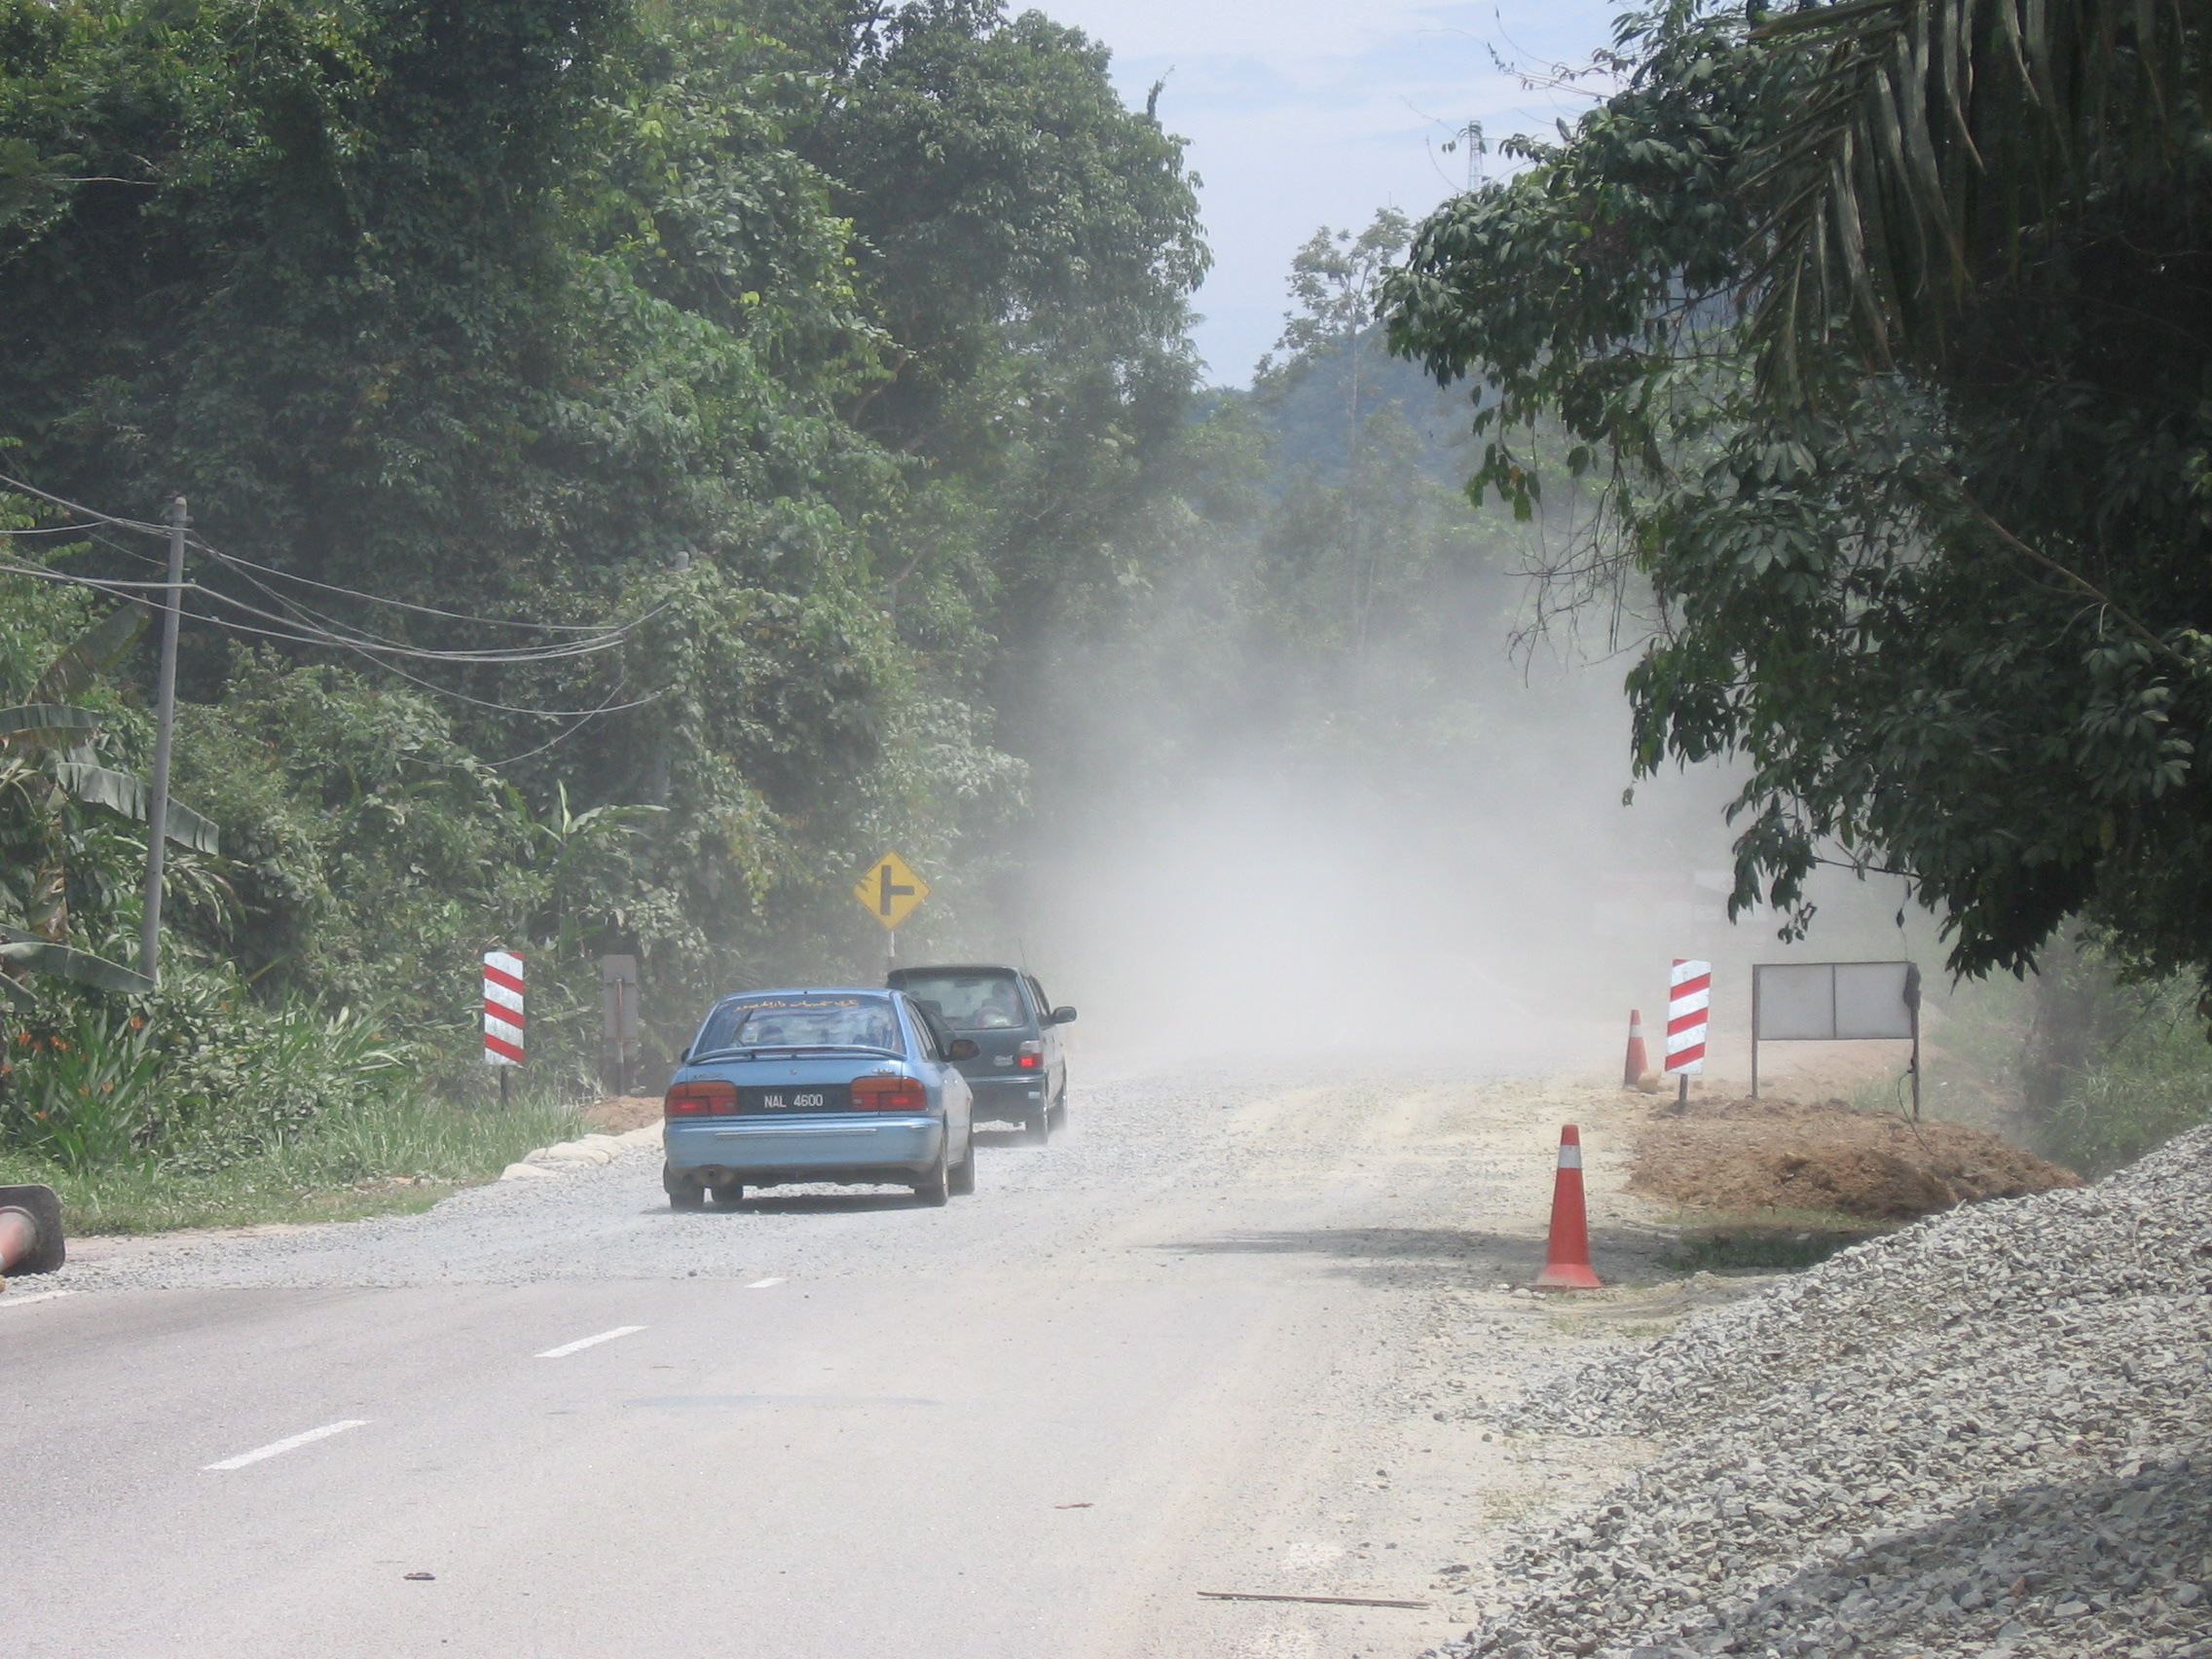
[
  {"x": 1566, "y": 1259},
  {"x": 1638, "y": 1061}
]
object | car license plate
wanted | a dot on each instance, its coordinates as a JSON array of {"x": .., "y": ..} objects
[{"x": 797, "y": 1097}]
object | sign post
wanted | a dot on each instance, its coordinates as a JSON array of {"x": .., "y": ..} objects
[
  {"x": 1835, "y": 1001},
  {"x": 503, "y": 1014},
  {"x": 889, "y": 891},
  {"x": 1689, "y": 1004},
  {"x": 618, "y": 1017}
]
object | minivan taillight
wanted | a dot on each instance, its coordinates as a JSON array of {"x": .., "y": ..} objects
[
  {"x": 888, "y": 1095},
  {"x": 706, "y": 1097}
]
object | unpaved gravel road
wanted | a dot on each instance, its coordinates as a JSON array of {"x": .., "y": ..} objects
[{"x": 1223, "y": 1335}]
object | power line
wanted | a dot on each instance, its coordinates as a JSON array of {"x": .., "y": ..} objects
[
  {"x": 318, "y": 637},
  {"x": 603, "y": 638},
  {"x": 131, "y": 590},
  {"x": 411, "y": 678},
  {"x": 307, "y": 626},
  {"x": 304, "y": 625},
  {"x": 314, "y": 633},
  {"x": 309, "y": 634},
  {"x": 139, "y": 525},
  {"x": 243, "y": 564}
]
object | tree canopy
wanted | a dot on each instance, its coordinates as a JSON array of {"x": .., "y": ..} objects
[
  {"x": 1880, "y": 329},
  {"x": 825, "y": 347}
]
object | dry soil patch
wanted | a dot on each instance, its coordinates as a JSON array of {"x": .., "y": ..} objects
[
  {"x": 618, "y": 1114},
  {"x": 1770, "y": 1155}
]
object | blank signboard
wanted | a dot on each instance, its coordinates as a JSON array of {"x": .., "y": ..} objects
[
  {"x": 1824, "y": 1002},
  {"x": 1874, "y": 999},
  {"x": 1796, "y": 1002}
]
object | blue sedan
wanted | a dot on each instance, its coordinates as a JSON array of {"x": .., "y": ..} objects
[{"x": 779, "y": 1088}]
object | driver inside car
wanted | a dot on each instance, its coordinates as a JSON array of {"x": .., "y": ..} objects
[{"x": 1000, "y": 1009}]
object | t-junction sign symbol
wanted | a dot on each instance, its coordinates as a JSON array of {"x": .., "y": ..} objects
[{"x": 891, "y": 890}]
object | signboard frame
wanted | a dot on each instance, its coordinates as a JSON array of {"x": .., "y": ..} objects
[
  {"x": 618, "y": 1017},
  {"x": 1857, "y": 1027}
]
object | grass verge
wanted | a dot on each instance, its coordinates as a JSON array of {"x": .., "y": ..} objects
[{"x": 383, "y": 1158}]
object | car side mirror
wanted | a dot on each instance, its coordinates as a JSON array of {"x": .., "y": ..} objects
[
  {"x": 1064, "y": 1016},
  {"x": 962, "y": 1049}
]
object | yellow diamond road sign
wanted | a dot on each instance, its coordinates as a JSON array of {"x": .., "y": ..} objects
[{"x": 891, "y": 890}]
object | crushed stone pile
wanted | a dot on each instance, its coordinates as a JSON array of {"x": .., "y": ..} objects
[
  {"x": 1984, "y": 1435},
  {"x": 1759, "y": 1155}
]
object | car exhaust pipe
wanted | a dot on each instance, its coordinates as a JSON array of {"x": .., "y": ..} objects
[{"x": 30, "y": 1231}]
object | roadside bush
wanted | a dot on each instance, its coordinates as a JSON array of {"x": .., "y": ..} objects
[
  {"x": 368, "y": 1158},
  {"x": 265, "y": 1077},
  {"x": 83, "y": 1092},
  {"x": 200, "y": 1078},
  {"x": 2151, "y": 1083},
  {"x": 2081, "y": 1064}
]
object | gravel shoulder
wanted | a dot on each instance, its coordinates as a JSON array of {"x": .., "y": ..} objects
[{"x": 1984, "y": 1434}]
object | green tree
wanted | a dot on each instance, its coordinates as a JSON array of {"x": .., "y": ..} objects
[
  {"x": 1027, "y": 245},
  {"x": 832, "y": 343},
  {"x": 1360, "y": 540},
  {"x": 1337, "y": 281},
  {"x": 1870, "y": 324}
]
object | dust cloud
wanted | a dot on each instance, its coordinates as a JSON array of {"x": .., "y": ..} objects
[{"x": 1228, "y": 867}]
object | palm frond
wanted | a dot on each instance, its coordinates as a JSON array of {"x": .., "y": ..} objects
[
  {"x": 47, "y": 725},
  {"x": 93, "y": 650},
  {"x": 1927, "y": 139},
  {"x": 25, "y": 950},
  {"x": 134, "y": 798}
]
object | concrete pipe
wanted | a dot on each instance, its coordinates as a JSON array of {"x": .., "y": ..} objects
[{"x": 30, "y": 1231}]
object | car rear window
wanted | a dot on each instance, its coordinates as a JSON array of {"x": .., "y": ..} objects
[
  {"x": 802, "y": 1022},
  {"x": 969, "y": 1001}
]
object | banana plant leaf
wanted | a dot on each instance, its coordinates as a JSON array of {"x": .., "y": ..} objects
[
  {"x": 81, "y": 965},
  {"x": 48, "y": 725},
  {"x": 82, "y": 660},
  {"x": 134, "y": 798}
]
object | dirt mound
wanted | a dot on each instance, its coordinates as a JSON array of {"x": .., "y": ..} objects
[
  {"x": 1760, "y": 1155},
  {"x": 619, "y": 1112}
]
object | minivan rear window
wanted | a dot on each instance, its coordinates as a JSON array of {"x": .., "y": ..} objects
[
  {"x": 802, "y": 1022},
  {"x": 970, "y": 1002}
]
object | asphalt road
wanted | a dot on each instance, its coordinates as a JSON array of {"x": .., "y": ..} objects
[{"x": 1219, "y": 1337}]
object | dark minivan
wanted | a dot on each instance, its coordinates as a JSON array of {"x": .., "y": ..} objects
[{"x": 1019, "y": 1075}]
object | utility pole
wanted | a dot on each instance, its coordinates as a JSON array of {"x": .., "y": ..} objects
[{"x": 165, "y": 725}]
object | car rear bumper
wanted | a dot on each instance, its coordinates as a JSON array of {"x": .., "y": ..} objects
[
  {"x": 1008, "y": 1093},
  {"x": 739, "y": 1150}
]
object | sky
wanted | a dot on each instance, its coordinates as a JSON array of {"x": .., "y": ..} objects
[{"x": 1304, "y": 113}]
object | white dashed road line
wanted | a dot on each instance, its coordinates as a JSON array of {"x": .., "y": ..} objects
[
  {"x": 26, "y": 1300},
  {"x": 567, "y": 1348},
  {"x": 277, "y": 1447},
  {"x": 763, "y": 1285}
]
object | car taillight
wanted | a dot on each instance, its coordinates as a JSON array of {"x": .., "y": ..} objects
[
  {"x": 707, "y": 1097},
  {"x": 888, "y": 1095},
  {"x": 1030, "y": 1056}
]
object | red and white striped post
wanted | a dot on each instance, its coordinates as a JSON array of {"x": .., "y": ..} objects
[
  {"x": 503, "y": 1014},
  {"x": 1689, "y": 1001}
]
